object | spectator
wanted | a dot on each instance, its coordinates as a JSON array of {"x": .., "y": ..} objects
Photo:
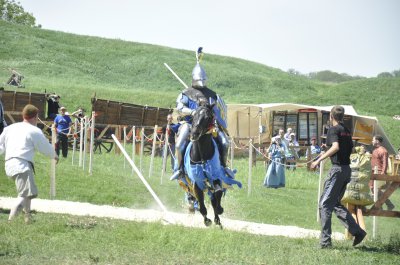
[
  {"x": 287, "y": 134},
  {"x": 284, "y": 143},
  {"x": 293, "y": 154},
  {"x": 78, "y": 114},
  {"x": 379, "y": 162},
  {"x": 173, "y": 129},
  {"x": 315, "y": 149},
  {"x": 52, "y": 106},
  {"x": 357, "y": 193},
  {"x": 340, "y": 145},
  {"x": 63, "y": 124},
  {"x": 281, "y": 135},
  {"x": 325, "y": 129},
  {"x": 3, "y": 123},
  {"x": 19, "y": 142},
  {"x": 275, "y": 176}
]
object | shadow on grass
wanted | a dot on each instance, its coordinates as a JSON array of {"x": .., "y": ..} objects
[
  {"x": 385, "y": 248},
  {"x": 378, "y": 247},
  {"x": 5, "y": 211}
]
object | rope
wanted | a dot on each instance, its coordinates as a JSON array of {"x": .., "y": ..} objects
[
  {"x": 297, "y": 164},
  {"x": 49, "y": 127},
  {"x": 243, "y": 146},
  {"x": 159, "y": 139},
  {"x": 171, "y": 152},
  {"x": 80, "y": 123},
  {"x": 148, "y": 138}
]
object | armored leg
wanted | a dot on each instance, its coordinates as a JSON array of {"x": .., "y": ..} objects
[
  {"x": 223, "y": 146},
  {"x": 180, "y": 147}
]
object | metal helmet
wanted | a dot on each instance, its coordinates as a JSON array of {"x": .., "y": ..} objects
[{"x": 199, "y": 76}]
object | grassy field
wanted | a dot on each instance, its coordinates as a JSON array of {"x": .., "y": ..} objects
[
  {"x": 63, "y": 239},
  {"x": 77, "y": 67}
]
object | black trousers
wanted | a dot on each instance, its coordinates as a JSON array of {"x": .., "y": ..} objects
[
  {"x": 332, "y": 194},
  {"x": 62, "y": 140}
]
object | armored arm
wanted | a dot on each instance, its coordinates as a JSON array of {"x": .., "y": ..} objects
[{"x": 182, "y": 107}]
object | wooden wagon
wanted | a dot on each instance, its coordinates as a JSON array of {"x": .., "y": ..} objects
[
  {"x": 113, "y": 116},
  {"x": 14, "y": 102}
]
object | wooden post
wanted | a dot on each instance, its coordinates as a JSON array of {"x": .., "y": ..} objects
[
  {"x": 74, "y": 144},
  {"x": 320, "y": 186},
  {"x": 124, "y": 144},
  {"x": 141, "y": 149},
  {"x": 81, "y": 135},
  {"x": 250, "y": 165},
  {"x": 133, "y": 145},
  {"x": 165, "y": 153},
  {"x": 85, "y": 144},
  {"x": 91, "y": 143},
  {"x": 153, "y": 151},
  {"x": 374, "y": 220},
  {"x": 53, "y": 164}
]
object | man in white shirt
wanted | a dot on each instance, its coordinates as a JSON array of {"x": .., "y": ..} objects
[{"x": 19, "y": 142}]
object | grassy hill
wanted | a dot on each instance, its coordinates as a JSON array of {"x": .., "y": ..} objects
[{"x": 76, "y": 67}]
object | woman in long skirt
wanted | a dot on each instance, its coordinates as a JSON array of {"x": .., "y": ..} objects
[{"x": 275, "y": 177}]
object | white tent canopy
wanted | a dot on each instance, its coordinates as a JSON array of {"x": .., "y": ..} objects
[{"x": 249, "y": 121}]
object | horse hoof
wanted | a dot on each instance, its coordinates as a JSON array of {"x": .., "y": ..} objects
[
  {"x": 207, "y": 222},
  {"x": 217, "y": 221}
]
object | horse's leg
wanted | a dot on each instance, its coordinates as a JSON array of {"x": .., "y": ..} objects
[
  {"x": 216, "y": 203},
  {"x": 200, "y": 199}
]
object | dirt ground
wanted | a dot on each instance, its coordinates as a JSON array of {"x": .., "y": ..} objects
[{"x": 166, "y": 218}]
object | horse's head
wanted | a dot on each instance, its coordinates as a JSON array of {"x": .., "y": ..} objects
[{"x": 203, "y": 121}]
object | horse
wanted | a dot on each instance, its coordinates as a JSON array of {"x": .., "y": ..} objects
[{"x": 203, "y": 170}]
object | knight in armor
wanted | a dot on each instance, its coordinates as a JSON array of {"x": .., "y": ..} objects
[{"x": 186, "y": 103}]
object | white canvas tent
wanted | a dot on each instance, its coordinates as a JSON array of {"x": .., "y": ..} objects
[{"x": 257, "y": 121}]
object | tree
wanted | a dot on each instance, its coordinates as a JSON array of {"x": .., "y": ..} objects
[
  {"x": 396, "y": 73},
  {"x": 292, "y": 71},
  {"x": 385, "y": 75},
  {"x": 13, "y": 12}
]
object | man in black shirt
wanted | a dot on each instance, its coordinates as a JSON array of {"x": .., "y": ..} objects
[
  {"x": 340, "y": 145},
  {"x": 52, "y": 106}
]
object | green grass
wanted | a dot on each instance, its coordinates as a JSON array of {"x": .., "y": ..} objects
[
  {"x": 77, "y": 67},
  {"x": 64, "y": 239}
]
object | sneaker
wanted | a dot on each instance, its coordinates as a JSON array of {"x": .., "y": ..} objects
[{"x": 359, "y": 237}]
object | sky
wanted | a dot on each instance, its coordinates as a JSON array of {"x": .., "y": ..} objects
[{"x": 356, "y": 37}]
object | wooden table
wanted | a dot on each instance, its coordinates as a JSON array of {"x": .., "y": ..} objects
[{"x": 394, "y": 183}]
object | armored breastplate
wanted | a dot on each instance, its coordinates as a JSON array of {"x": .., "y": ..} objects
[{"x": 198, "y": 95}]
